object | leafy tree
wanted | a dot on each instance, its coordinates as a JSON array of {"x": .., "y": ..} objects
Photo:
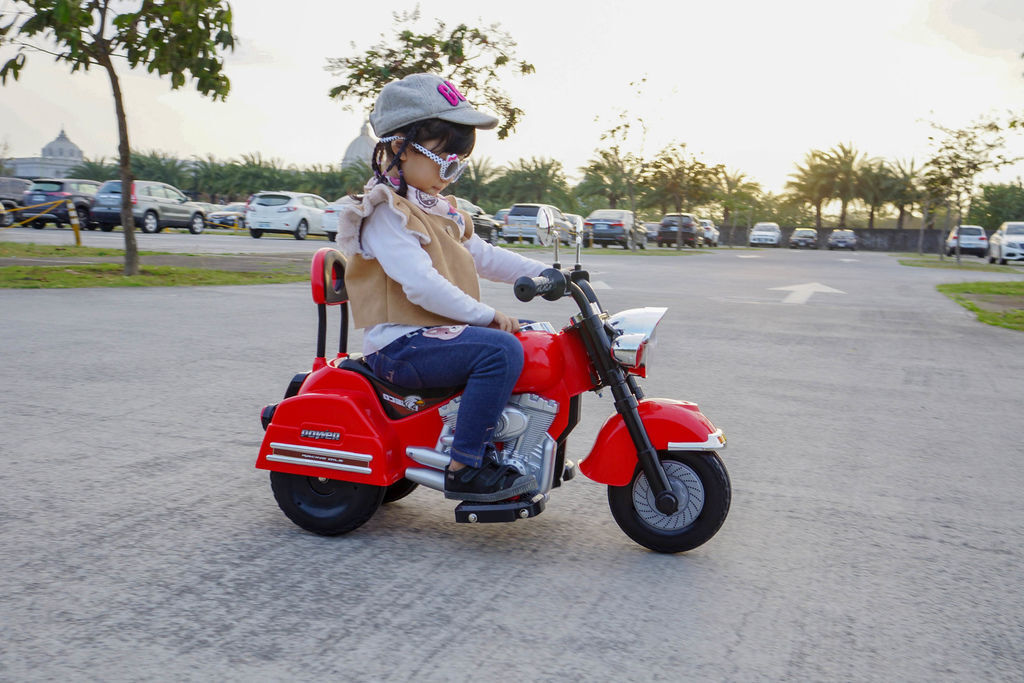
[
  {"x": 997, "y": 203},
  {"x": 610, "y": 177},
  {"x": 160, "y": 167},
  {"x": 173, "y": 38},
  {"x": 679, "y": 179},
  {"x": 812, "y": 183},
  {"x": 961, "y": 154},
  {"x": 471, "y": 57}
]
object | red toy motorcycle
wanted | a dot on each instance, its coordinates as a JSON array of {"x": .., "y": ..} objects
[{"x": 343, "y": 441}]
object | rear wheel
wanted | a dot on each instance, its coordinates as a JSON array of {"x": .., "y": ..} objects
[
  {"x": 150, "y": 223},
  {"x": 7, "y": 217},
  {"x": 331, "y": 236},
  {"x": 701, "y": 485},
  {"x": 399, "y": 490},
  {"x": 325, "y": 506},
  {"x": 301, "y": 230},
  {"x": 256, "y": 233},
  {"x": 197, "y": 224},
  {"x": 106, "y": 227}
]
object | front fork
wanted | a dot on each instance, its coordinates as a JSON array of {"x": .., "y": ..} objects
[{"x": 625, "y": 391}]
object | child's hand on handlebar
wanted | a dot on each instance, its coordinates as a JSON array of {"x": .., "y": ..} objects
[{"x": 504, "y": 322}]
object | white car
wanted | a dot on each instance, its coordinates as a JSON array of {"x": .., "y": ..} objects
[
  {"x": 1007, "y": 243},
  {"x": 577, "y": 229},
  {"x": 294, "y": 213},
  {"x": 765, "y": 234},
  {"x": 711, "y": 232},
  {"x": 972, "y": 241}
]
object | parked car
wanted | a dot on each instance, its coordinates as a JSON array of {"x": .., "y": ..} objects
[
  {"x": 765, "y": 234},
  {"x": 651, "y": 228},
  {"x": 155, "y": 206},
  {"x": 500, "y": 214},
  {"x": 46, "y": 191},
  {"x": 295, "y": 213},
  {"x": 1007, "y": 243},
  {"x": 674, "y": 225},
  {"x": 842, "y": 239},
  {"x": 522, "y": 220},
  {"x": 616, "y": 226},
  {"x": 483, "y": 223},
  {"x": 12, "y": 191},
  {"x": 804, "y": 238},
  {"x": 578, "y": 228},
  {"x": 227, "y": 216},
  {"x": 972, "y": 241},
  {"x": 711, "y": 232}
]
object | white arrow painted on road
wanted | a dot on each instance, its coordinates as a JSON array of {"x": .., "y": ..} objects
[{"x": 799, "y": 294}]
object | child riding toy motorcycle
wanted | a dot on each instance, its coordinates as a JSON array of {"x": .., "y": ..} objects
[{"x": 344, "y": 441}]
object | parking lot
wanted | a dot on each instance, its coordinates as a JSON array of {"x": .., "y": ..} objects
[{"x": 874, "y": 449}]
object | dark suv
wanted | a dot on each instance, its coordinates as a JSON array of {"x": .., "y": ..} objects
[
  {"x": 674, "y": 223},
  {"x": 615, "y": 226},
  {"x": 54, "y": 194},
  {"x": 12, "y": 190},
  {"x": 484, "y": 224}
]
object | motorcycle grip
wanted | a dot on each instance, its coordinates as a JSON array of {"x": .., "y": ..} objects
[{"x": 551, "y": 283}]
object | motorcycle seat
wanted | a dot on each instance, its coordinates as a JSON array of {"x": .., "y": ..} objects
[{"x": 399, "y": 401}]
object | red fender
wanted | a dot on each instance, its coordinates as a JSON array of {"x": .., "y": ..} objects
[{"x": 671, "y": 426}]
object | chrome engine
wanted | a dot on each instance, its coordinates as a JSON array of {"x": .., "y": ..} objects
[{"x": 523, "y": 431}]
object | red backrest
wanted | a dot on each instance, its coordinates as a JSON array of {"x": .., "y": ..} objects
[{"x": 327, "y": 277}]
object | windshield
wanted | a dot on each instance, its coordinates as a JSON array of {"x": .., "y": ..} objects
[
  {"x": 804, "y": 233},
  {"x": 607, "y": 214},
  {"x": 524, "y": 210},
  {"x": 1015, "y": 229},
  {"x": 843, "y": 233}
]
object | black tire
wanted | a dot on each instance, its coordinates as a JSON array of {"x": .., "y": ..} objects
[
  {"x": 701, "y": 483},
  {"x": 255, "y": 233},
  {"x": 399, "y": 490},
  {"x": 106, "y": 227},
  {"x": 150, "y": 223},
  {"x": 301, "y": 230},
  {"x": 197, "y": 224},
  {"x": 38, "y": 225},
  {"x": 331, "y": 236},
  {"x": 7, "y": 217},
  {"x": 325, "y": 506}
]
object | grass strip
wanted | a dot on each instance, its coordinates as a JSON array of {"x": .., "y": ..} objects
[
  {"x": 30, "y": 250},
  {"x": 950, "y": 263},
  {"x": 112, "y": 275},
  {"x": 995, "y": 303}
]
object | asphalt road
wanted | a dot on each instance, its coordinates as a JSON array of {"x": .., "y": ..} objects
[{"x": 875, "y": 532}]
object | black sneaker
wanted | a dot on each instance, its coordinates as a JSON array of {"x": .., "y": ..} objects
[{"x": 488, "y": 483}]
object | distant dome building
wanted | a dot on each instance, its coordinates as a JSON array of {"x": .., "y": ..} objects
[
  {"x": 59, "y": 156},
  {"x": 360, "y": 149}
]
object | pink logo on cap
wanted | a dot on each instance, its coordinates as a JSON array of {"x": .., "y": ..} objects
[{"x": 451, "y": 93}]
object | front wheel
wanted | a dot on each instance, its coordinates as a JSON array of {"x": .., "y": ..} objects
[
  {"x": 256, "y": 234},
  {"x": 197, "y": 224},
  {"x": 301, "y": 230},
  {"x": 325, "y": 506},
  {"x": 150, "y": 223},
  {"x": 702, "y": 487}
]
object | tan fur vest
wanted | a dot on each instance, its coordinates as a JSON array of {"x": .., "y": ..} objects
[{"x": 376, "y": 298}]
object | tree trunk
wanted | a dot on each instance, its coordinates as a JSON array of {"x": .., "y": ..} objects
[
  {"x": 842, "y": 214},
  {"x": 817, "y": 216},
  {"x": 924, "y": 224},
  {"x": 900, "y": 219},
  {"x": 131, "y": 250}
]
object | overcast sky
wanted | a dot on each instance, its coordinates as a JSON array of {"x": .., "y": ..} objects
[{"x": 753, "y": 85}]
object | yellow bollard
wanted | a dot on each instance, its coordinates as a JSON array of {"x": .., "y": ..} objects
[{"x": 73, "y": 215}]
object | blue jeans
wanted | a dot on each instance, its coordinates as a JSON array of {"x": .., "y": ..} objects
[{"x": 486, "y": 360}]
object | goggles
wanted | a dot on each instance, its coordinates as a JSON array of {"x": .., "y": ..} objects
[{"x": 450, "y": 168}]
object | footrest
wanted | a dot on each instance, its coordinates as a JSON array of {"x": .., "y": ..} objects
[{"x": 500, "y": 512}]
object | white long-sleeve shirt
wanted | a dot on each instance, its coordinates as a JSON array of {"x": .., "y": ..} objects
[{"x": 400, "y": 255}]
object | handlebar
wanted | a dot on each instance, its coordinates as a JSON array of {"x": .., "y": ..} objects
[{"x": 551, "y": 284}]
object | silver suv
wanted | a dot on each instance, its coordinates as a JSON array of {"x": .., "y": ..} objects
[
  {"x": 522, "y": 220},
  {"x": 155, "y": 206}
]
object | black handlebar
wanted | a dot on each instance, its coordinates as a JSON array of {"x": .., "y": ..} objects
[{"x": 551, "y": 283}]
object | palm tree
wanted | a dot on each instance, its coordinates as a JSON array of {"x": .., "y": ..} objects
[
  {"x": 534, "y": 180},
  {"x": 843, "y": 162},
  {"x": 735, "y": 191},
  {"x": 812, "y": 183},
  {"x": 94, "y": 169},
  {"x": 876, "y": 186},
  {"x": 679, "y": 179},
  {"x": 907, "y": 192},
  {"x": 161, "y": 167},
  {"x": 472, "y": 185}
]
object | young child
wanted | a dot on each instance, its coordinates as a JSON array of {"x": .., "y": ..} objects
[{"x": 412, "y": 276}]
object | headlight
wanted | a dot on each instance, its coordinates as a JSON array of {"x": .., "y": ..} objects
[{"x": 632, "y": 347}]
